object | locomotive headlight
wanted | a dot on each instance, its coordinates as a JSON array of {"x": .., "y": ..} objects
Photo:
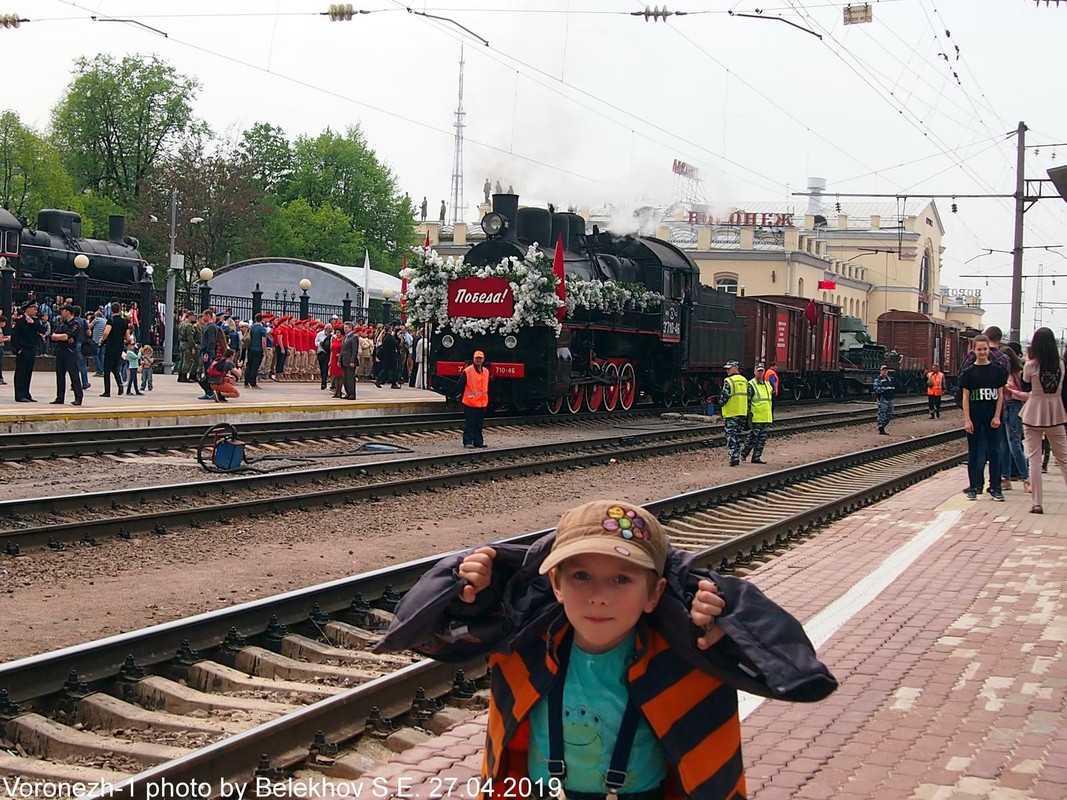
[
  {"x": 510, "y": 342},
  {"x": 447, "y": 341},
  {"x": 493, "y": 224}
]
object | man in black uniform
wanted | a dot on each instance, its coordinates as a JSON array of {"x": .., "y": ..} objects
[
  {"x": 25, "y": 339},
  {"x": 114, "y": 343},
  {"x": 66, "y": 336}
]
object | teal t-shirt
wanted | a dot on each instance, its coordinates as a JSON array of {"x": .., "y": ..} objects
[{"x": 594, "y": 699}]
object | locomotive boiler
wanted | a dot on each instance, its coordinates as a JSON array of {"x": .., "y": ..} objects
[{"x": 47, "y": 252}]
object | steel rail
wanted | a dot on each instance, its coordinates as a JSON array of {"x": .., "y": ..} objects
[
  {"x": 36, "y": 676},
  {"x": 118, "y": 441},
  {"x": 517, "y": 461}
]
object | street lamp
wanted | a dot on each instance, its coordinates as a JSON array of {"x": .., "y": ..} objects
[
  {"x": 305, "y": 301},
  {"x": 387, "y": 295},
  {"x": 205, "y": 288},
  {"x": 81, "y": 279}
]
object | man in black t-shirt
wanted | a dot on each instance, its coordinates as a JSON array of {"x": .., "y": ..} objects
[
  {"x": 982, "y": 402},
  {"x": 114, "y": 344}
]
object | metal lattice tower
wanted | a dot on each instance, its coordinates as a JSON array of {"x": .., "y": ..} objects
[
  {"x": 1039, "y": 298},
  {"x": 459, "y": 207}
]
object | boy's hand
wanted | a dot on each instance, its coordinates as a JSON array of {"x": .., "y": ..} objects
[
  {"x": 477, "y": 570},
  {"x": 707, "y": 605},
  {"x": 968, "y": 426},
  {"x": 995, "y": 423}
]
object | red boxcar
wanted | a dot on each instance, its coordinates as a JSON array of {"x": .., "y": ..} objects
[
  {"x": 922, "y": 340},
  {"x": 776, "y": 329}
]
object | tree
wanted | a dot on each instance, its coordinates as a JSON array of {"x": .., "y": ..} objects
[
  {"x": 325, "y": 233},
  {"x": 268, "y": 154},
  {"x": 215, "y": 185},
  {"x": 344, "y": 173},
  {"x": 119, "y": 118},
  {"x": 31, "y": 175}
]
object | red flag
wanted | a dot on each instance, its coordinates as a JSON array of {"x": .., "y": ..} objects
[
  {"x": 427, "y": 244},
  {"x": 811, "y": 313},
  {"x": 403, "y": 292},
  {"x": 557, "y": 270}
]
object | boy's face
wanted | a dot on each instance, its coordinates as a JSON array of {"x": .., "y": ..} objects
[{"x": 603, "y": 598}]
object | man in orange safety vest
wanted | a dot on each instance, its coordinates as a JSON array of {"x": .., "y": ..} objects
[
  {"x": 474, "y": 394},
  {"x": 935, "y": 382}
]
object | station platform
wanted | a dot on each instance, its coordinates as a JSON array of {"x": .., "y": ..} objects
[
  {"x": 173, "y": 403},
  {"x": 943, "y": 621}
]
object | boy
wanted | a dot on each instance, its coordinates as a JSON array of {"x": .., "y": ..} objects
[
  {"x": 983, "y": 398},
  {"x": 147, "y": 362},
  {"x": 605, "y": 679}
]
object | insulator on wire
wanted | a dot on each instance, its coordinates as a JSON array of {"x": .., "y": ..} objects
[
  {"x": 10, "y": 20},
  {"x": 656, "y": 13},
  {"x": 341, "y": 12},
  {"x": 955, "y": 207}
]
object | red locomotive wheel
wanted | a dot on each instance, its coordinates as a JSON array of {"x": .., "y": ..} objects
[
  {"x": 554, "y": 406},
  {"x": 611, "y": 391},
  {"x": 627, "y": 386},
  {"x": 575, "y": 397},
  {"x": 594, "y": 396}
]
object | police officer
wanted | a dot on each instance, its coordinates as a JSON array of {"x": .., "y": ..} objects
[
  {"x": 26, "y": 336},
  {"x": 66, "y": 337},
  {"x": 759, "y": 401},
  {"x": 474, "y": 393},
  {"x": 885, "y": 391},
  {"x": 733, "y": 403}
]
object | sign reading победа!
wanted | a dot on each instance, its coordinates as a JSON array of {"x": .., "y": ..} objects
[{"x": 480, "y": 298}]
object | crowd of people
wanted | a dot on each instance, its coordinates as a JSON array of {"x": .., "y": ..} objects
[
  {"x": 1015, "y": 413},
  {"x": 216, "y": 350},
  {"x": 106, "y": 339}
]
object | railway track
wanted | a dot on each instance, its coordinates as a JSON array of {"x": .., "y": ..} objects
[
  {"x": 86, "y": 518},
  {"x": 273, "y": 685}
]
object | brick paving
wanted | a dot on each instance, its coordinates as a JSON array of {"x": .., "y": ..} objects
[{"x": 953, "y": 679}]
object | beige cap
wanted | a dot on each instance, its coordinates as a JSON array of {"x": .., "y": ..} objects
[{"x": 611, "y": 528}]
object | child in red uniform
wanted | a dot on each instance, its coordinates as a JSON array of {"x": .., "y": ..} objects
[{"x": 614, "y": 662}]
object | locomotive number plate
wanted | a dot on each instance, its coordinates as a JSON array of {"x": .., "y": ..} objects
[
  {"x": 508, "y": 370},
  {"x": 672, "y": 321}
]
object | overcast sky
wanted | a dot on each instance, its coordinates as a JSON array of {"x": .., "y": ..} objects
[{"x": 576, "y": 103}]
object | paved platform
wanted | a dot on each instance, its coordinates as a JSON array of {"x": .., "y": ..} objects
[
  {"x": 942, "y": 619},
  {"x": 173, "y": 403}
]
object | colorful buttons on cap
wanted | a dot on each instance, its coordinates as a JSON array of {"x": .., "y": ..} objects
[
  {"x": 615, "y": 512},
  {"x": 625, "y": 523},
  {"x": 610, "y": 524}
]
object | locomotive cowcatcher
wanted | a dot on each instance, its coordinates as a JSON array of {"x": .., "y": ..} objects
[{"x": 674, "y": 348}]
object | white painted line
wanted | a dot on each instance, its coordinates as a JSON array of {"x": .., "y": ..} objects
[{"x": 828, "y": 621}]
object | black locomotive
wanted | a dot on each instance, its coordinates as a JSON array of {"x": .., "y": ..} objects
[
  {"x": 47, "y": 252},
  {"x": 675, "y": 349}
]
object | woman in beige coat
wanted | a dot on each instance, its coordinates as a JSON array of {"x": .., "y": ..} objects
[{"x": 1043, "y": 414}]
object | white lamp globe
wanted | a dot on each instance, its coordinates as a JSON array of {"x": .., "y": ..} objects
[
  {"x": 81, "y": 261},
  {"x": 387, "y": 294},
  {"x": 305, "y": 284},
  {"x": 206, "y": 274}
]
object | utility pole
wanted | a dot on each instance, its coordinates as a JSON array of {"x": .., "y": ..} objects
[
  {"x": 458, "y": 206},
  {"x": 169, "y": 319},
  {"x": 1017, "y": 251}
]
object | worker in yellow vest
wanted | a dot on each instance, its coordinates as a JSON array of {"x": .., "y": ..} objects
[
  {"x": 733, "y": 403},
  {"x": 760, "y": 394},
  {"x": 474, "y": 394},
  {"x": 935, "y": 382}
]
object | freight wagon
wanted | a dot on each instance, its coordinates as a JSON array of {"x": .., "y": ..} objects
[{"x": 915, "y": 341}]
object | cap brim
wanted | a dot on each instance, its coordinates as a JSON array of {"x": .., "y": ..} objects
[{"x": 598, "y": 545}]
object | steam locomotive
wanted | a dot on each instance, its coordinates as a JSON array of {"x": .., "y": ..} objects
[
  {"x": 675, "y": 351},
  {"x": 47, "y": 252}
]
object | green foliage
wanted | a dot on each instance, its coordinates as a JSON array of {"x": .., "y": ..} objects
[
  {"x": 95, "y": 211},
  {"x": 344, "y": 172},
  {"x": 299, "y": 230},
  {"x": 31, "y": 175},
  {"x": 266, "y": 151},
  {"x": 119, "y": 118}
]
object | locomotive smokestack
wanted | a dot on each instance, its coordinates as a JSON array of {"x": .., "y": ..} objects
[
  {"x": 116, "y": 228},
  {"x": 507, "y": 205}
]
